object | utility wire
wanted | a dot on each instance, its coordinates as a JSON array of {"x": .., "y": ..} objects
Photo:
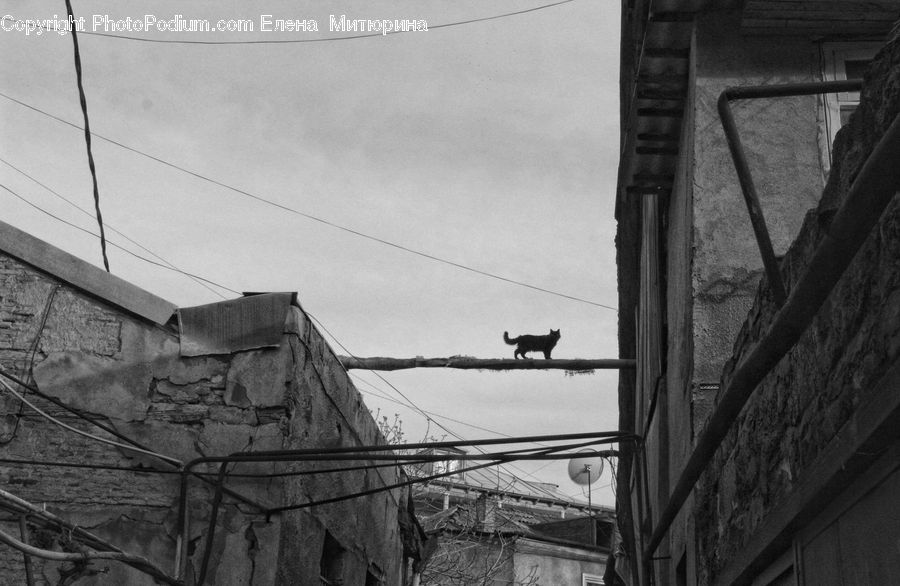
[
  {"x": 87, "y": 136},
  {"x": 408, "y": 403},
  {"x": 14, "y": 503},
  {"x": 114, "y": 245},
  {"x": 113, "y": 229},
  {"x": 514, "y": 478},
  {"x": 317, "y": 40},
  {"x": 381, "y": 395},
  {"x": 315, "y": 218},
  {"x": 52, "y": 419},
  {"x": 170, "y": 461},
  {"x": 422, "y": 411},
  {"x": 550, "y": 452}
]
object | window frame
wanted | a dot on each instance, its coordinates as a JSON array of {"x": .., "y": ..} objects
[{"x": 834, "y": 55}]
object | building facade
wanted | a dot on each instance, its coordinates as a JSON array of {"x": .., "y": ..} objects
[
  {"x": 757, "y": 360},
  {"x": 130, "y": 401},
  {"x": 487, "y": 526}
]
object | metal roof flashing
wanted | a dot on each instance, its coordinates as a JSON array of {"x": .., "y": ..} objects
[{"x": 84, "y": 276}]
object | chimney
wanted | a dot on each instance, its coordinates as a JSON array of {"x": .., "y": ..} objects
[{"x": 486, "y": 512}]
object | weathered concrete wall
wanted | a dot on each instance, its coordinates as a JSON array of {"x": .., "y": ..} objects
[
  {"x": 555, "y": 564},
  {"x": 798, "y": 408},
  {"x": 713, "y": 261},
  {"x": 128, "y": 374},
  {"x": 780, "y": 140}
]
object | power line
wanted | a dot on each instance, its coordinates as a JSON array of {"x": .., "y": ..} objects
[
  {"x": 422, "y": 411},
  {"x": 123, "y": 235},
  {"x": 427, "y": 414},
  {"x": 113, "y": 244},
  {"x": 87, "y": 136},
  {"x": 431, "y": 413},
  {"x": 317, "y": 40},
  {"x": 112, "y": 431},
  {"x": 49, "y": 417},
  {"x": 409, "y": 402},
  {"x": 315, "y": 218}
]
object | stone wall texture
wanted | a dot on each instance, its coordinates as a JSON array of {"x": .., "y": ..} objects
[
  {"x": 800, "y": 406},
  {"x": 128, "y": 374}
]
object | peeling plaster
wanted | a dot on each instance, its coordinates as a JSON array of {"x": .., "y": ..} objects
[{"x": 96, "y": 384}]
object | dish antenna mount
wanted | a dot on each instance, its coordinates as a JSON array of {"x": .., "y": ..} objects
[{"x": 586, "y": 471}]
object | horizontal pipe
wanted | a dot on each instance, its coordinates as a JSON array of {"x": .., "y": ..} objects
[
  {"x": 414, "y": 458},
  {"x": 871, "y": 192},
  {"x": 616, "y": 436},
  {"x": 409, "y": 482},
  {"x": 359, "y": 452},
  {"x": 787, "y": 90},
  {"x": 467, "y": 362}
]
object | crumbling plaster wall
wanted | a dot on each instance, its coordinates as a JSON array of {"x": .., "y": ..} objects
[
  {"x": 128, "y": 373},
  {"x": 713, "y": 261},
  {"x": 801, "y": 405},
  {"x": 780, "y": 141}
]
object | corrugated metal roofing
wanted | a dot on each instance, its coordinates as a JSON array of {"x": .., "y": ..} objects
[{"x": 247, "y": 323}]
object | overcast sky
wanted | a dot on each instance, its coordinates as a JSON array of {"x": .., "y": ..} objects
[{"x": 491, "y": 144}]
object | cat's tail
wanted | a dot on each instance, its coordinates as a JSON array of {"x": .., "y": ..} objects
[{"x": 509, "y": 341}]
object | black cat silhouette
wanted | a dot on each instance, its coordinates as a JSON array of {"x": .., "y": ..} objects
[{"x": 529, "y": 343}]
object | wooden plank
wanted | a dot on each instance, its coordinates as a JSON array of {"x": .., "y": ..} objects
[
  {"x": 647, "y": 190},
  {"x": 817, "y": 26},
  {"x": 820, "y": 15},
  {"x": 681, "y": 17},
  {"x": 658, "y": 137},
  {"x": 468, "y": 362},
  {"x": 666, "y": 53},
  {"x": 662, "y": 151},
  {"x": 653, "y": 178},
  {"x": 677, "y": 79},
  {"x": 818, "y": 5},
  {"x": 659, "y": 94},
  {"x": 661, "y": 112}
]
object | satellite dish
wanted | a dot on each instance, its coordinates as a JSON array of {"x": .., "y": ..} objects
[{"x": 586, "y": 470}]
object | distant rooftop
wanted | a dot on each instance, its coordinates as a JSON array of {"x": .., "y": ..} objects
[{"x": 520, "y": 496}]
